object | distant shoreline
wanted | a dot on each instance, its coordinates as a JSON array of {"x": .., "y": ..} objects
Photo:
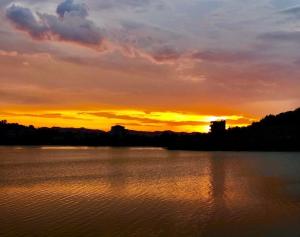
[
  {"x": 82, "y": 147},
  {"x": 273, "y": 133}
]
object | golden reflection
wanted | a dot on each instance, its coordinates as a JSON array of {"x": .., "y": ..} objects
[{"x": 185, "y": 189}]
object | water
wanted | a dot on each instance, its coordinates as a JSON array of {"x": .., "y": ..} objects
[{"x": 108, "y": 192}]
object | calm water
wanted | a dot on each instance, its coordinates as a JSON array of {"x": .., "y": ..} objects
[{"x": 112, "y": 192}]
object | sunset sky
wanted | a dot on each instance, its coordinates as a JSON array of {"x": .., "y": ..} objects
[{"x": 148, "y": 64}]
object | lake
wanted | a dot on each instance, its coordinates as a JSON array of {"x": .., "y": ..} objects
[{"x": 109, "y": 192}]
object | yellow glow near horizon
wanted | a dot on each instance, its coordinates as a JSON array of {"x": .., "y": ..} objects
[{"x": 132, "y": 119}]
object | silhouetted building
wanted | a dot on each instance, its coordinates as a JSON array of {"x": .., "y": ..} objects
[
  {"x": 118, "y": 130},
  {"x": 218, "y": 127}
]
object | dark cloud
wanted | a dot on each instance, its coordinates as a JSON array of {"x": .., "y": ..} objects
[
  {"x": 165, "y": 54},
  {"x": 69, "y": 7},
  {"x": 70, "y": 24},
  {"x": 73, "y": 28},
  {"x": 24, "y": 19}
]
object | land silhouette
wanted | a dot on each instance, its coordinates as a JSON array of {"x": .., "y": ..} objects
[{"x": 273, "y": 133}]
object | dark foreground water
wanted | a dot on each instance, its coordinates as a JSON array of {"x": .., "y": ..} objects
[{"x": 112, "y": 192}]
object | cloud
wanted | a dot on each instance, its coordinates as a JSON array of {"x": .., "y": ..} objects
[
  {"x": 288, "y": 36},
  {"x": 69, "y": 25},
  {"x": 295, "y": 11},
  {"x": 166, "y": 54},
  {"x": 171, "y": 55},
  {"x": 161, "y": 55},
  {"x": 73, "y": 28},
  {"x": 125, "y": 4},
  {"x": 4, "y": 53},
  {"x": 224, "y": 56},
  {"x": 24, "y": 19},
  {"x": 69, "y": 7},
  {"x": 144, "y": 120},
  {"x": 4, "y": 3},
  {"x": 283, "y": 4},
  {"x": 45, "y": 115}
]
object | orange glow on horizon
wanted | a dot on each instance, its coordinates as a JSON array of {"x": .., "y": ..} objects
[{"x": 131, "y": 119}]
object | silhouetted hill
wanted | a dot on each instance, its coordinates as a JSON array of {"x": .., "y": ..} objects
[
  {"x": 274, "y": 132},
  {"x": 15, "y": 134}
]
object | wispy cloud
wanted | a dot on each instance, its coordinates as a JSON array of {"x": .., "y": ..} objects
[
  {"x": 292, "y": 11},
  {"x": 43, "y": 115},
  {"x": 284, "y": 36}
]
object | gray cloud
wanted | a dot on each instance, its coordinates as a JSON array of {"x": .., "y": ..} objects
[
  {"x": 73, "y": 28},
  {"x": 289, "y": 36},
  {"x": 70, "y": 24},
  {"x": 24, "y": 19},
  {"x": 295, "y": 11},
  {"x": 283, "y": 4},
  {"x": 68, "y": 6},
  {"x": 166, "y": 53},
  {"x": 225, "y": 56},
  {"x": 133, "y": 4},
  {"x": 4, "y": 3}
]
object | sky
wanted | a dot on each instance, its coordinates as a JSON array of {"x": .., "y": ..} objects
[{"x": 148, "y": 64}]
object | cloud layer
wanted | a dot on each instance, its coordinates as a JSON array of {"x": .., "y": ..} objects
[{"x": 217, "y": 57}]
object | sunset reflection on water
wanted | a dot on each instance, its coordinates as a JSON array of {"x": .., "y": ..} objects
[{"x": 153, "y": 192}]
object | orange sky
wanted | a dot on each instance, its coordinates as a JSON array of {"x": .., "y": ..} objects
[{"x": 134, "y": 119}]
